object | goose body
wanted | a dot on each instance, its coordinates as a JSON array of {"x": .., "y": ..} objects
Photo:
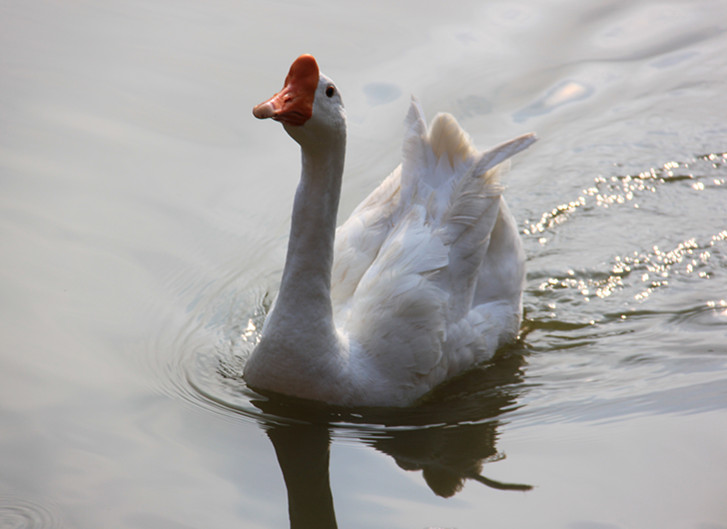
[{"x": 422, "y": 281}]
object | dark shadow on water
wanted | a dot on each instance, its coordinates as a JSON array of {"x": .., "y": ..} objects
[
  {"x": 303, "y": 454},
  {"x": 449, "y": 436}
]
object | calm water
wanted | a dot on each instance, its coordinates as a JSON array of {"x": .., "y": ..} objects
[{"x": 144, "y": 216}]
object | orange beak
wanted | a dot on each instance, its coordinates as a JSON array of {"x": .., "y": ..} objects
[{"x": 293, "y": 105}]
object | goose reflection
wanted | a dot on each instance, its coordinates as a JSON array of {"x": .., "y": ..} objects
[
  {"x": 449, "y": 438},
  {"x": 303, "y": 454}
]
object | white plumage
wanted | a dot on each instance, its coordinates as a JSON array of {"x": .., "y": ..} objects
[{"x": 424, "y": 280}]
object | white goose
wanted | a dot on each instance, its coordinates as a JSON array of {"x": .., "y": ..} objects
[{"x": 424, "y": 279}]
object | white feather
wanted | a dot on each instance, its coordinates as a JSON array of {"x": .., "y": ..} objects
[
  {"x": 426, "y": 275},
  {"x": 408, "y": 261}
]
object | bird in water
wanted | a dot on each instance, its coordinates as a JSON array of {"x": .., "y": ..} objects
[{"x": 423, "y": 280}]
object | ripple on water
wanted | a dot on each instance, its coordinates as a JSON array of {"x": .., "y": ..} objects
[
  {"x": 626, "y": 306},
  {"x": 479, "y": 396},
  {"x": 706, "y": 171},
  {"x": 640, "y": 273},
  {"x": 19, "y": 513},
  {"x": 645, "y": 212},
  {"x": 201, "y": 362}
]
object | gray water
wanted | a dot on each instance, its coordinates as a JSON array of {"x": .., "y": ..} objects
[{"x": 144, "y": 219}]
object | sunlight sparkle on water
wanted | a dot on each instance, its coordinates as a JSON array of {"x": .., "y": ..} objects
[
  {"x": 619, "y": 190},
  {"x": 652, "y": 269},
  {"x": 719, "y": 306}
]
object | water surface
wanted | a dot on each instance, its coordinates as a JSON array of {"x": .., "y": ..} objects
[{"x": 144, "y": 220}]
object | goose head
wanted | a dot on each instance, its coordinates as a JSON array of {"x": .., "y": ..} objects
[{"x": 309, "y": 106}]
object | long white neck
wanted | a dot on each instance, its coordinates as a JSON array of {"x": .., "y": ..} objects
[
  {"x": 300, "y": 352},
  {"x": 303, "y": 312}
]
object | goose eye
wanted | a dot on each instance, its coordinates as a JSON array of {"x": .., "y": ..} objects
[{"x": 330, "y": 91}]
